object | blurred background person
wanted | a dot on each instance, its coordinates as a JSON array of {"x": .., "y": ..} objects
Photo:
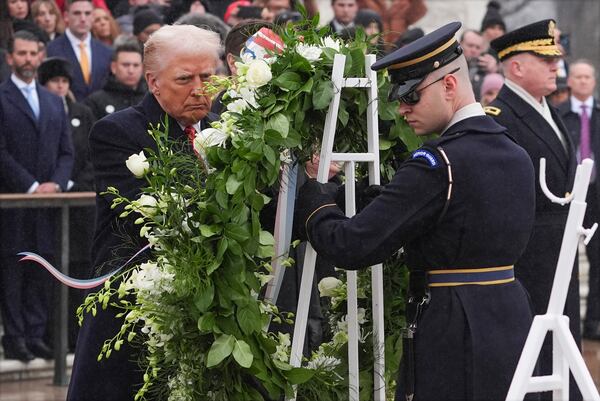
[
  {"x": 35, "y": 157},
  {"x": 344, "y": 13},
  {"x": 581, "y": 114},
  {"x": 492, "y": 25},
  {"x": 56, "y": 75},
  {"x": 104, "y": 26},
  {"x": 397, "y": 15},
  {"x": 373, "y": 26},
  {"x": 18, "y": 9},
  {"x": 205, "y": 21},
  {"x": 89, "y": 57},
  {"x": 47, "y": 16},
  {"x": 125, "y": 86},
  {"x": 561, "y": 94},
  {"x": 490, "y": 87},
  {"x": 145, "y": 23}
]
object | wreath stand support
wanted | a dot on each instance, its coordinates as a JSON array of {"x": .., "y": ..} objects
[
  {"x": 566, "y": 354},
  {"x": 284, "y": 227}
]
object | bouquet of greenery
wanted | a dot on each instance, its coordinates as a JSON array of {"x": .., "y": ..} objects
[{"x": 194, "y": 308}]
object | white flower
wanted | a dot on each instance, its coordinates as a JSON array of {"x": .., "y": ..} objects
[
  {"x": 258, "y": 74},
  {"x": 137, "y": 164},
  {"x": 249, "y": 96},
  {"x": 237, "y": 106},
  {"x": 328, "y": 285},
  {"x": 311, "y": 53},
  {"x": 331, "y": 43},
  {"x": 323, "y": 362},
  {"x": 146, "y": 205},
  {"x": 209, "y": 137}
]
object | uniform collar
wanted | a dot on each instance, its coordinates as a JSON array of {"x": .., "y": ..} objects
[{"x": 470, "y": 110}]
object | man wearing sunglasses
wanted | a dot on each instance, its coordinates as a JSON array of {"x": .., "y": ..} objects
[{"x": 462, "y": 209}]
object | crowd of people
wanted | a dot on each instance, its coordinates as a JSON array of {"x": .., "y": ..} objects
[{"x": 67, "y": 68}]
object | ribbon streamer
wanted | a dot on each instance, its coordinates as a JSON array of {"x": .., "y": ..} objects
[{"x": 70, "y": 281}]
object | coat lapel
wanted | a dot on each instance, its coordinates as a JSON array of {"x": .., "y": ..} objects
[
  {"x": 19, "y": 101},
  {"x": 536, "y": 124}
]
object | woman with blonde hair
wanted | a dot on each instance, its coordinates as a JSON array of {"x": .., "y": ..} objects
[
  {"x": 104, "y": 26},
  {"x": 48, "y": 17}
]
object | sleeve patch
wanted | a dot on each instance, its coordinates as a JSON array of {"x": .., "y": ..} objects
[
  {"x": 492, "y": 111},
  {"x": 428, "y": 156}
]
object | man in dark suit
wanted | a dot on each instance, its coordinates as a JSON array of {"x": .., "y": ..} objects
[
  {"x": 581, "y": 114},
  {"x": 178, "y": 60},
  {"x": 521, "y": 106},
  {"x": 90, "y": 58},
  {"x": 344, "y": 12},
  {"x": 452, "y": 208},
  {"x": 35, "y": 157}
]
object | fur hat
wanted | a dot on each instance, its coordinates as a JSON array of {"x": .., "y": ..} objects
[{"x": 54, "y": 67}]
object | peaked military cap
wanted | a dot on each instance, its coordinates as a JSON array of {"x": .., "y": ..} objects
[
  {"x": 536, "y": 38},
  {"x": 409, "y": 65}
]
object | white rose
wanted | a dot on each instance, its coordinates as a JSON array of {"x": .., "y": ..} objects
[
  {"x": 147, "y": 205},
  {"x": 331, "y": 43},
  {"x": 237, "y": 106},
  {"x": 258, "y": 74},
  {"x": 249, "y": 96},
  {"x": 209, "y": 137},
  {"x": 137, "y": 164},
  {"x": 311, "y": 53},
  {"x": 328, "y": 285}
]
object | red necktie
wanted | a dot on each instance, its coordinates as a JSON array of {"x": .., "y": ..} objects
[{"x": 191, "y": 134}]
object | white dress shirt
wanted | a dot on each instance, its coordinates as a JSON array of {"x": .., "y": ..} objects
[
  {"x": 576, "y": 105},
  {"x": 75, "y": 45},
  {"x": 541, "y": 108},
  {"x": 468, "y": 111}
]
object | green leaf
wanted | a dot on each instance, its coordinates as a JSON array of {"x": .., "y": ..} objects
[
  {"x": 220, "y": 349},
  {"x": 209, "y": 230},
  {"x": 204, "y": 297},
  {"x": 206, "y": 322},
  {"x": 289, "y": 80},
  {"x": 237, "y": 232},
  {"x": 232, "y": 184},
  {"x": 384, "y": 144},
  {"x": 322, "y": 94},
  {"x": 242, "y": 354},
  {"x": 248, "y": 318},
  {"x": 266, "y": 238},
  {"x": 299, "y": 375},
  {"x": 280, "y": 123},
  {"x": 270, "y": 154}
]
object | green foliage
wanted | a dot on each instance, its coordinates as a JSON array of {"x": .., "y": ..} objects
[{"x": 194, "y": 308}]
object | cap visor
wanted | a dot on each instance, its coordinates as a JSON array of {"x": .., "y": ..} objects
[{"x": 402, "y": 88}]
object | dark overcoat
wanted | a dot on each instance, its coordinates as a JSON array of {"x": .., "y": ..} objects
[
  {"x": 537, "y": 266},
  {"x": 112, "y": 140},
  {"x": 469, "y": 338}
]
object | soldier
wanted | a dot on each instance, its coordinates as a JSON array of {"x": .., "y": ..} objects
[
  {"x": 529, "y": 57},
  {"x": 462, "y": 207}
]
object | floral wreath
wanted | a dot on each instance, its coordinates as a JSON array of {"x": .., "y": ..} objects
[{"x": 194, "y": 309}]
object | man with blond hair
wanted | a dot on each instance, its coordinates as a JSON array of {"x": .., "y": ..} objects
[{"x": 178, "y": 60}]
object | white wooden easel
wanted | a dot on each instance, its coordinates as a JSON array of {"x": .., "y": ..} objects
[
  {"x": 283, "y": 227},
  {"x": 566, "y": 355}
]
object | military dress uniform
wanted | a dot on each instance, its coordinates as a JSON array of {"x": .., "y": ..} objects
[
  {"x": 462, "y": 207},
  {"x": 537, "y": 266}
]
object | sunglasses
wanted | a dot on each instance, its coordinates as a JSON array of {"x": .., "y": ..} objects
[{"x": 413, "y": 97}]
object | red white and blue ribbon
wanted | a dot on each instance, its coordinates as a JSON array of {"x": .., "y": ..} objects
[{"x": 70, "y": 281}]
